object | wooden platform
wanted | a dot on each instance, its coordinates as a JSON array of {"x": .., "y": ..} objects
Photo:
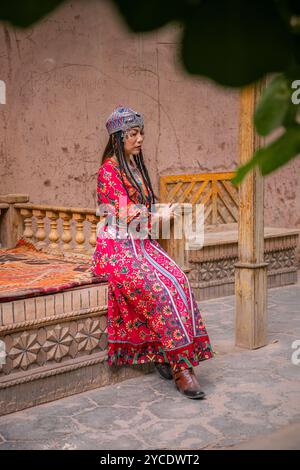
[
  {"x": 56, "y": 345},
  {"x": 211, "y": 267},
  {"x": 212, "y": 270}
]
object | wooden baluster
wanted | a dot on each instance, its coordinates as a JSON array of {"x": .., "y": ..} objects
[
  {"x": 66, "y": 235},
  {"x": 40, "y": 234},
  {"x": 93, "y": 219},
  {"x": 214, "y": 201},
  {"x": 53, "y": 235},
  {"x": 28, "y": 231},
  {"x": 79, "y": 237}
]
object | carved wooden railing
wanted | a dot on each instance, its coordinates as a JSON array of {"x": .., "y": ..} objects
[
  {"x": 67, "y": 231},
  {"x": 71, "y": 231},
  {"x": 53, "y": 229},
  {"x": 55, "y": 240},
  {"x": 214, "y": 190}
]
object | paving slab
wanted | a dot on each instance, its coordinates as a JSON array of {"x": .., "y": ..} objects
[{"x": 252, "y": 397}]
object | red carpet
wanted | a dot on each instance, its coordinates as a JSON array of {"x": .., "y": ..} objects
[{"x": 27, "y": 272}]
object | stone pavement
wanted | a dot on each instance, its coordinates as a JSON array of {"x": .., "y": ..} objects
[{"x": 253, "y": 397}]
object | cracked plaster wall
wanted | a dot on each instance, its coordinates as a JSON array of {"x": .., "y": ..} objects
[{"x": 66, "y": 74}]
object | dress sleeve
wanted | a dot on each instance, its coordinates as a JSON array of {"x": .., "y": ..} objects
[{"x": 110, "y": 189}]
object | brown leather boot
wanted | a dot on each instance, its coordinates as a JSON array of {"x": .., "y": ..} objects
[
  {"x": 164, "y": 370},
  {"x": 187, "y": 383}
]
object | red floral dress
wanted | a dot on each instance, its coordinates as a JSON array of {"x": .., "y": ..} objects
[{"x": 152, "y": 312}]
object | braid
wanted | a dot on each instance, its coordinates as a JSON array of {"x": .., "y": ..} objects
[
  {"x": 139, "y": 159},
  {"x": 119, "y": 151}
]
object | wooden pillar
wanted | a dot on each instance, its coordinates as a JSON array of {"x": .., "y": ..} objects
[{"x": 251, "y": 270}]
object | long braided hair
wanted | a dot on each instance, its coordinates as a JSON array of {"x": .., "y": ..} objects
[{"x": 115, "y": 145}]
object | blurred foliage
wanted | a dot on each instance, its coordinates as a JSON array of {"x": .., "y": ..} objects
[
  {"x": 278, "y": 109},
  {"x": 24, "y": 13},
  {"x": 232, "y": 42}
]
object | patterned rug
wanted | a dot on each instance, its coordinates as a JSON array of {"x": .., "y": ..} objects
[{"x": 28, "y": 272}]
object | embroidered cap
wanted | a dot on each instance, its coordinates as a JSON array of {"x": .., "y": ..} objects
[{"x": 123, "y": 118}]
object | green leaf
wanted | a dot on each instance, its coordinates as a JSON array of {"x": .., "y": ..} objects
[
  {"x": 273, "y": 106},
  {"x": 273, "y": 156},
  {"x": 24, "y": 13},
  {"x": 280, "y": 151},
  {"x": 290, "y": 118},
  {"x": 244, "y": 169},
  {"x": 236, "y": 42},
  {"x": 146, "y": 15},
  {"x": 233, "y": 42}
]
